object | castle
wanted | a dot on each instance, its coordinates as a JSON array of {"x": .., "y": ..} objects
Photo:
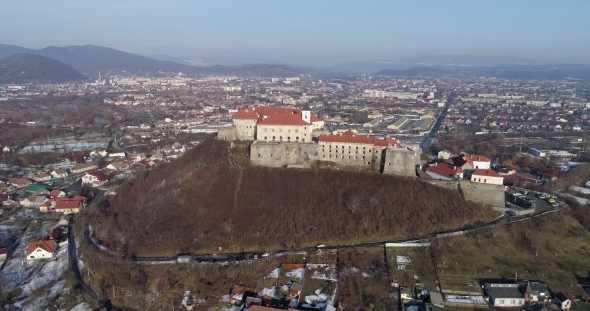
[{"x": 285, "y": 137}]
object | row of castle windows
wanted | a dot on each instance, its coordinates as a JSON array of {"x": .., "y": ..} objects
[
  {"x": 274, "y": 138},
  {"x": 280, "y": 130}
]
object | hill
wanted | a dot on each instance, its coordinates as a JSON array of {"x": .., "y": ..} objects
[
  {"x": 411, "y": 72},
  {"x": 21, "y": 68},
  {"x": 92, "y": 59},
  {"x": 207, "y": 199}
]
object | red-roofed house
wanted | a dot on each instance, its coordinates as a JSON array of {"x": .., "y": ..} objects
[
  {"x": 444, "y": 171},
  {"x": 258, "y": 122},
  {"x": 3, "y": 252},
  {"x": 487, "y": 176},
  {"x": 468, "y": 161},
  {"x": 44, "y": 249},
  {"x": 68, "y": 206},
  {"x": 73, "y": 158},
  {"x": 94, "y": 179}
]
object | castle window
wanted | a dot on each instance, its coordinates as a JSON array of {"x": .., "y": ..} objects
[
  {"x": 281, "y": 138},
  {"x": 265, "y": 138},
  {"x": 289, "y": 138},
  {"x": 484, "y": 180},
  {"x": 369, "y": 163},
  {"x": 342, "y": 157},
  {"x": 288, "y": 131},
  {"x": 273, "y": 138},
  {"x": 259, "y": 155},
  {"x": 297, "y": 139},
  {"x": 388, "y": 164},
  {"x": 303, "y": 140},
  {"x": 355, "y": 157},
  {"x": 363, "y": 157},
  {"x": 296, "y": 131},
  {"x": 273, "y": 130},
  {"x": 323, "y": 155}
]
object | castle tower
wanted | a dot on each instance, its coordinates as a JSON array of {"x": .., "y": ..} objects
[{"x": 306, "y": 114}]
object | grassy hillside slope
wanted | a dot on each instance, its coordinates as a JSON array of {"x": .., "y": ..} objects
[{"x": 211, "y": 198}]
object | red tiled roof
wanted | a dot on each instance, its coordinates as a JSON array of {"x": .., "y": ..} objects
[
  {"x": 246, "y": 114},
  {"x": 55, "y": 193},
  {"x": 98, "y": 175},
  {"x": 75, "y": 157},
  {"x": 484, "y": 172},
  {"x": 3, "y": 250},
  {"x": 45, "y": 244},
  {"x": 254, "y": 113},
  {"x": 469, "y": 158},
  {"x": 283, "y": 119},
  {"x": 67, "y": 204},
  {"x": 445, "y": 169}
]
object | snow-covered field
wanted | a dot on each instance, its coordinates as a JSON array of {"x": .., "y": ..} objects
[
  {"x": 298, "y": 273},
  {"x": 40, "y": 277},
  {"x": 476, "y": 300}
]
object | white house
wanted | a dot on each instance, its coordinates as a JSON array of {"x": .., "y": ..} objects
[
  {"x": 59, "y": 173},
  {"x": 93, "y": 178},
  {"x": 444, "y": 154},
  {"x": 504, "y": 294},
  {"x": 562, "y": 302},
  {"x": 487, "y": 176},
  {"x": 44, "y": 249},
  {"x": 444, "y": 171},
  {"x": 42, "y": 177},
  {"x": 33, "y": 201},
  {"x": 83, "y": 167}
]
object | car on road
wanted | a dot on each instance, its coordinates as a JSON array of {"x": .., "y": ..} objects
[
  {"x": 556, "y": 205},
  {"x": 510, "y": 213}
]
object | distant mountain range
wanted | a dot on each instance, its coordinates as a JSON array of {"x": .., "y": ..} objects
[
  {"x": 23, "y": 68},
  {"x": 411, "y": 72},
  {"x": 92, "y": 59}
]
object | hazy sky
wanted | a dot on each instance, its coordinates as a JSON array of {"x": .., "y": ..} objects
[{"x": 306, "y": 31}]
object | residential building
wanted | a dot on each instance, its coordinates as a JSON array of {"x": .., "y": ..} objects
[
  {"x": 94, "y": 179},
  {"x": 487, "y": 176},
  {"x": 555, "y": 154},
  {"x": 444, "y": 154},
  {"x": 19, "y": 182},
  {"x": 536, "y": 292},
  {"x": 42, "y": 177},
  {"x": 562, "y": 302},
  {"x": 504, "y": 294},
  {"x": 468, "y": 161},
  {"x": 84, "y": 167},
  {"x": 43, "y": 249},
  {"x": 59, "y": 173},
  {"x": 3, "y": 253},
  {"x": 444, "y": 171},
  {"x": 33, "y": 201}
]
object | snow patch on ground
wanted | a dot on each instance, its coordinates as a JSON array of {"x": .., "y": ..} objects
[
  {"x": 48, "y": 273},
  {"x": 404, "y": 260},
  {"x": 274, "y": 274},
  {"x": 82, "y": 307},
  {"x": 270, "y": 292},
  {"x": 93, "y": 239},
  {"x": 296, "y": 273},
  {"x": 224, "y": 298}
]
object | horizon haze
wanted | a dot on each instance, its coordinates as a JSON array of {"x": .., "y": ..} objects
[{"x": 307, "y": 33}]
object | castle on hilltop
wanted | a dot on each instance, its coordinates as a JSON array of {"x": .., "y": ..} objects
[{"x": 287, "y": 136}]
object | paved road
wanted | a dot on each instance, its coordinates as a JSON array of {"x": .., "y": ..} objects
[{"x": 431, "y": 137}]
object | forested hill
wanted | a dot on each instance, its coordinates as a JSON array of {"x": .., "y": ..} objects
[
  {"x": 22, "y": 68},
  {"x": 210, "y": 197}
]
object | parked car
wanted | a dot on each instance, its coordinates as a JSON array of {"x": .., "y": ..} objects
[{"x": 510, "y": 213}]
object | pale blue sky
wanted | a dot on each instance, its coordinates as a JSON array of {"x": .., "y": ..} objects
[{"x": 306, "y": 31}]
